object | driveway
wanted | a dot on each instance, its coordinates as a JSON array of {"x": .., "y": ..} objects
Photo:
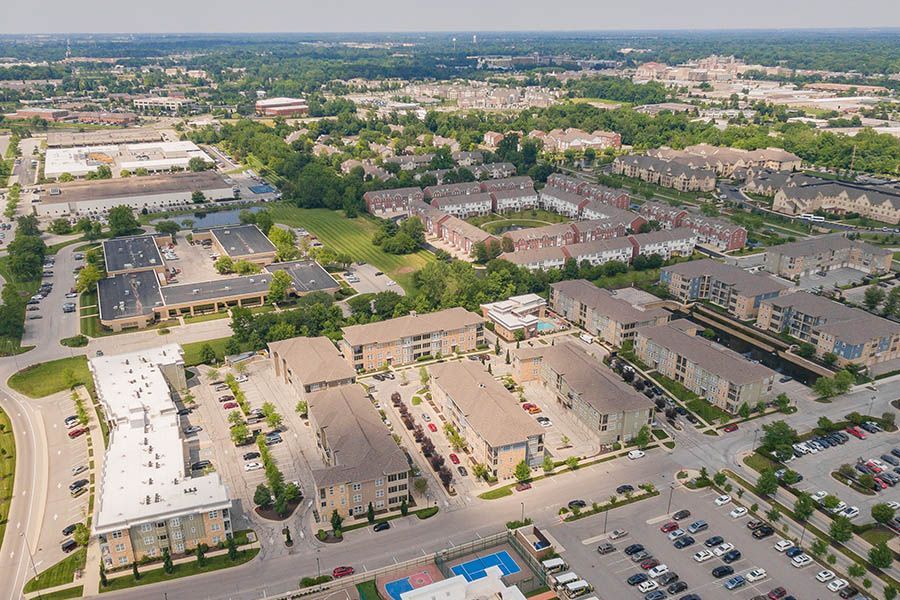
[{"x": 370, "y": 283}]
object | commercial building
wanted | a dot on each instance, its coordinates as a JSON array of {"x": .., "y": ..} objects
[
  {"x": 132, "y": 254},
  {"x": 498, "y": 433},
  {"x": 239, "y": 242},
  {"x": 729, "y": 287},
  {"x": 825, "y": 253},
  {"x": 154, "y": 192},
  {"x": 364, "y": 463},
  {"x": 852, "y": 334},
  {"x": 406, "y": 339},
  {"x": 149, "y": 499},
  {"x": 103, "y": 137},
  {"x": 516, "y": 313},
  {"x": 601, "y": 312},
  {"x": 172, "y": 104},
  {"x": 281, "y": 107},
  {"x": 723, "y": 377},
  {"x": 608, "y": 408},
  {"x": 154, "y": 157},
  {"x": 310, "y": 364},
  {"x": 391, "y": 201}
]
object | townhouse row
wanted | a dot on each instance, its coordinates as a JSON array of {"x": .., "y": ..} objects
[
  {"x": 711, "y": 231},
  {"x": 462, "y": 200}
]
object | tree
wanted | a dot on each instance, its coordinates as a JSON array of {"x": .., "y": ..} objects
[
  {"x": 643, "y": 438},
  {"x": 824, "y": 387},
  {"x": 806, "y": 350},
  {"x": 890, "y": 592},
  {"x": 370, "y": 513},
  {"x": 773, "y": 514},
  {"x": 201, "y": 554},
  {"x": 829, "y": 358},
  {"x": 778, "y": 433},
  {"x": 547, "y": 464},
  {"x": 830, "y": 501},
  {"x": 507, "y": 356},
  {"x": 873, "y": 297},
  {"x": 867, "y": 480},
  {"x": 264, "y": 221},
  {"x": 803, "y": 507},
  {"x": 719, "y": 478},
  {"x": 82, "y": 535},
  {"x": 245, "y": 267},
  {"x": 88, "y": 278},
  {"x": 197, "y": 164},
  {"x": 479, "y": 470},
  {"x": 842, "y": 381},
  {"x": 224, "y": 264},
  {"x": 197, "y": 197},
  {"x": 121, "y": 221},
  {"x": 404, "y": 507},
  {"x": 856, "y": 570},
  {"x": 302, "y": 407},
  {"x": 882, "y": 513},
  {"x": 232, "y": 549},
  {"x": 790, "y": 477},
  {"x": 273, "y": 420},
  {"x": 262, "y": 496},
  {"x": 523, "y": 471},
  {"x": 168, "y": 567},
  {"x": 167, "y": 227},
  {"x": 278, "y": 289},
  {"x": 207, "y": 353},
  {"x": 135, "y": 572},
  {"x": 782, "y": 402},
  {"x": 825, "y": 424},
  {"x": 841, "y": 529},
  {"x": 336, "y": 520},
  {"x": 421, "y": 486},
  {"x": 239, "y": 433},
  {"x": 60, "y": 227},
  {"x": 744, "y": 410},
  {"x": 767, "y": 483}
]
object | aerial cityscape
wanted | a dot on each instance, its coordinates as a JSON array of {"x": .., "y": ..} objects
[{"x": 552, "y": 308}]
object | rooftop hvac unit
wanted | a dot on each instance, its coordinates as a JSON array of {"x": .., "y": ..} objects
[{"x": 195, "y": 291}]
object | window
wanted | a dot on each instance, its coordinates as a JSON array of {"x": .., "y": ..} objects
[
  {"x": 148, "y": 540},
  {"x": 193, "y": 530},
  {"x": 190, "y": 517},
  {"x": 178, "y": 547},
  {"x": 116, "y": 535},
  {"x": 120, "y": 547},
  {"x": 145, "y": 527},
  {"x": 342, "y": 488},
  {"x": 214, "y": 527},
  {"x": 379, "y": 482},
  {"x": 177, "y": 535},
  {"x": 331, "y": 491},
  {"x": 379, "y": 504},
  {"x": 152, "y": 552},
  {"x": 213, "y": 514},
  {"x": 379, "y": 493},
  {"x": 123, "y": 560},
  {"x": 357, "y": 487},
  {"x": 216, "y": 539},
  {"x": 357, "y": 497},
  {"x": 176, "y": 522}
]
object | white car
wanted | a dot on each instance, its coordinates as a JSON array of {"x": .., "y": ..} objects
[
  {"x": 674, "y": 535},
  {"x": 824, "y": 575},
  {"x": 241, "y": 378},
  {"x": 784, "y": 545},
  {"x": 723, "y": 500},
  {"x": 738, "y": 512},
  {"x": 636, "y": 454},
  {"x": 851, "y": 512},
  {"x": 546, "y": 423},
  {"x": 657, "y": 571},
  {"x": 820, "y": 495},
  {"x": 841, "y": 506},
  {"x": 893, "y": 504},
  {"x": 723, "y": 549},
  {"x": 253, "y": 466},
  {"x": 755, "y": 575},
  {"x": 648, "y": 586},
  {"x": 801, "y": 560},
  {"x": 837, "y": 585},
  {"x": 703, "y": 556}
]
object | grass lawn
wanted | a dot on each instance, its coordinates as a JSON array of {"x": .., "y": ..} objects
[
  {"x": 367, "y": 590},
  {"x": 660, "y": 434},
  {"x": 496, "y": 493},
  {"x": 43, "y": 379},
  {"x": 262, "y": 309},
  {"x": 7, "y": 470},
  {"x": 540, "y": 216},
  {"x": 707, "y": 411},
  {"x": 759, "y": 463},
  {"x": 61, "y": 573},
  {"x": 72, "y": 592},
  {"x": 192, "y": 350},
  {"x": 494, "y": 226},
  {"x": 876, "y": 535},
  {"x": 13, "y": 345},
  {"x": 187, "y": 569},
  {"x": 207, "y": 317},
  {"x": 353, "y": 237}
]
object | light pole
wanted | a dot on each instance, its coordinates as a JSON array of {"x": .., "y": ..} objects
[
  {"x": 30, "y": 557},
  {"x": 869, "y": 412},
  {"x": 755, "y": 433},
  {"x": 523, "y": 511},
  {"x": 605, "y": 519},
  {"x": 318, "y": 570},
  {"x": 671, "y": 491}
]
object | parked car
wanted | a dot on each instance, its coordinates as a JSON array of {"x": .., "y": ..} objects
[
  {"x": 606, "y": 548},
  {"x": 730, "y": 428},
  {"x": 77, "y": 432},
  {"x": 625, "y": 488},
  {"x": 381, "y": 526},
  {"x": 253, "y": 466},
  {"x": 200, "y": 465},
  {"x": 192, "y": 429},
  {"x": 342, "y": 571},
  {"x": 251, "y": 455},
  {"x": 722, "y": 571},
  {"x": 681, "y": 514},
  {"x": 523, "y": 486}
]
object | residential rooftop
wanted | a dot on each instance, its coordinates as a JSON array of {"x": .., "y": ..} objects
[
  {"x": 605, "y": 302},
  {"x": 414, "y": 324},
  {"x": 846, "y": 324},
  {"x": 826, "y": 243},
  {"x": 744, "y": 282},
  {"x": 313, "y": 359}
]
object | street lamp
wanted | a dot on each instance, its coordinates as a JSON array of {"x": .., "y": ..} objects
[
  {"x": 523, "y": 511},
  {"x": 671, "y": 491},
  {"x": 318, "y": 570},
  {"x": 30, "y": 557},
  {"x": 869, "y": 412}
]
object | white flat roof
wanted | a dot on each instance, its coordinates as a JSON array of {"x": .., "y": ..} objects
[
  {"x": 77, "y": 161},
  {"x": 143, "y": 477}
]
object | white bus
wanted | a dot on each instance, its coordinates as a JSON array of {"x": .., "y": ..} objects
[
  {"x": 578, "y": 588},
  {"x": 554, "y": 565},
  {"x": 561, "y": 581},
  {"x": 807, "y": 216}
]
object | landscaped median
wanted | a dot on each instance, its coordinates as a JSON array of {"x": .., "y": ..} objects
[
  {"x": 649, "y": 492},
  {"x": 43, "y": 379},
  {"x": 61, "y": 573},
  {"x": 7, "y": 469}
]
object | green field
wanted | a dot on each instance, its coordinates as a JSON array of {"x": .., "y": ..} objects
[
  {"x": 13, "y": 345},
  {"x": 7, "y": 469},
  {"x": 537, "y": 216},
  {"x": 59, "y": 574},
  {"x": 43, "y": 379},
  {"x": 353, "y": 237},
  {"x": 192, "y": 350},
  {"x": 179, "y": 570}
]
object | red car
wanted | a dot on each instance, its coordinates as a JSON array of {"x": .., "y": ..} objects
[
  {"x": 856, "y": 432},
  {"x": 649, "y": 564},
  {"x": 342, "y": 571},
  {"x": 454, "y": 459},
  {"x": 523, "y": 486},
  {"x": 880, "y": 483},
  {"x": 669, "y": 527},
  {"x": 432, "y": 427},
  {"x": 230, "y": 405},
  {"x": 527, "y": 406},
  {"x": 777, "y": 593},
  {"x": 76, "y": 432},
  {"x": 730, "y": 428}
]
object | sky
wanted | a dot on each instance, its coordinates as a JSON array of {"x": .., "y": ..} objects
[{"x": 218, "y": 16}]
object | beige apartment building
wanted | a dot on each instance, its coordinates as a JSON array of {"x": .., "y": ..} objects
[
  {"x": 407, "y": 339},
  {"x": 310, "y": 364},
  {"x": 838, "y": 198},
  {"x": 499, "y": 434},
  {"x": 607, "y": 407},
  {"x": 723, "y": 377},
  {"x": 149, "y": 499},
  {"x": 852, "y": 334},
  {"x": 824, "y": 253},
  {"x": 601, "y": 312},
  {"x": 363, "y": 462}
]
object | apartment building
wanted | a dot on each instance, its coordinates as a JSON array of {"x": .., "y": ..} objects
[
  {"x": 163, "y": 103},
  {"x": 825, "y": 253},
  {"x": 666, "y": 243},
  {"x": 391, "y": 201},
  {"x": 409, "y": 162},
  {"x": 840, "y": 198},
  {"x": 599, "y": 193},
  {"x": 148, "y": 498},
  {"x": 711, "y": 231},
  {"x": 465, "y": 205},
  {"x": 667, "y": 174},
  {"x": 467, "y": 159},
  {"x": 363, "y": 462},
  {"x": 601, "y": 312},
  {"x": 496, "y": 170},
  {"x": 499, "y": 434},
  {"x": 516, "y": 313},
  {"x": 453, "y": 189},
  {"x": 310, "y": 364},
  {"x": 852, "y": 334},
  {"x": 462, "y": 235},
  {"x": 406, "y": 339},
  {"x": 668, "y": 216},
  {"x": 560, "y": 140},
  {"x": 512, "y": 194},
  {"x": 729, "y": 287},
  {"x": 603, "y": 404},
  {"x": 724, "y": 160},
  {"x": 723, "y": 377}
]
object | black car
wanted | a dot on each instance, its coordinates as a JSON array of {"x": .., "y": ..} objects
[
  {"x": 691, "y": 597},
  {"x": 794, "y": 551},
  {"x": 763, "y": 532},
  {"x": 896, "y": 452},
  {"x": 714, "y": 541},
  {"x": 624, "y": 488},
  {"x": 381, "y": 526},
  {"x": 849, "y": 592},
  {"x": 637, "y": 578},
  {"x": 629, "y": 550},
  {"x": 867, "y": 427},
  {"x": 683, "y": 542},
  {"x": 78, "y": 484},
  {"x": 890, "y": 460},
  {"x": 731, "y": 556},
  {"x": 251, "y": 455},
  {"x": 681, "y": 411},
  {"x": 69, "y": 529},
  {"x": 722, "y": 571},
  {"x": 378, "y": 377},
  {"x": 184, "y": 411},
  {"x": 578, "y": 503},
  {"x": 68, "y": 546},
  {"x": 667, "y": 578},
  {"x": 681, "y": 514},
  {"x": 677, "y": 587},
  {"x": 462, "y": 470},
  {"x": 691, "y": 419},
  {"x": 200, "y": 465}
]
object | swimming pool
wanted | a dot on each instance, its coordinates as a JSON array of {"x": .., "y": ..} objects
[{"x": 544, "y": 326}]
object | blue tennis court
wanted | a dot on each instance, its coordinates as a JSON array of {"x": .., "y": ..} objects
[
  {"x": 262, "y": 189},
  {"x": 474, "y": 569}
]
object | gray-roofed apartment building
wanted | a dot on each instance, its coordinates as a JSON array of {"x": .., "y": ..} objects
[{"x": 824, "y": 253}]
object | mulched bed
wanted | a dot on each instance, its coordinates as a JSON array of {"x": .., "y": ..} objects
[{"x": 270, "y": 515}]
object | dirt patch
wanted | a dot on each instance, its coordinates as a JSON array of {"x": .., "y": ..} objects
[{"x": 405, "y": 270}]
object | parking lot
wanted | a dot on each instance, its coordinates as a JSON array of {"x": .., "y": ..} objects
[
  {"x": 643, "y": 521},
  {"x": 194, "y": 262},
  {"x": 836, "y": 277},
  {"x": 370, "y": 283},
  {"x": 857, "y": 294},
  {"x": 816, "y": 470}
]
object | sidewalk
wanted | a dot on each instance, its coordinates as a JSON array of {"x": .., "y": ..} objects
[{"x": 91, "y": 577}]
